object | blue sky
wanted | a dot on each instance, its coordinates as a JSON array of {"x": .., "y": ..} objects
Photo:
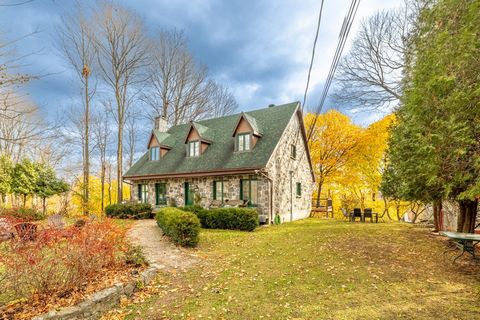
[{"x": 259, "y": 49}]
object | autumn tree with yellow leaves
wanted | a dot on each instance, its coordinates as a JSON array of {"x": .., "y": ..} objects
[{"x": 348, "y": 161}]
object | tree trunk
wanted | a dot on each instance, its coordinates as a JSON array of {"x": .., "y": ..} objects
[
  {"x": 102, "y": 181},
  {"x": 437, "y": 212},
  {"x": 109, "y": 184},
  {"x": 119, "y": 164},
  {"x": 385, "y": 210},
  {"x": 397, "y": 210},
  {"x": 86, "y": 168},
  {"x": 24, "y": 200},
  {"x": 319, "y": 192},
  {"x": 467, "y": 216},
  {"x": 44, "y": 206}
]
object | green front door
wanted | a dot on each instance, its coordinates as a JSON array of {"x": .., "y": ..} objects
[{"x": 188, "y": 195}]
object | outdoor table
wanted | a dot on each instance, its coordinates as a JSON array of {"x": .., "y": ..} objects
[{"x": 466, "y": 242}]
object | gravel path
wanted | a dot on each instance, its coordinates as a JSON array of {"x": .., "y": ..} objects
[{"x": 158, "y": 250}]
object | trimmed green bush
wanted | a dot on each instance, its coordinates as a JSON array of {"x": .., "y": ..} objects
[
  {"x": 199, "y": 211},
  {"x": 129, "y": 211},
  {"x": 181, "y": 227},
  {"x": 245, "y": 219}
]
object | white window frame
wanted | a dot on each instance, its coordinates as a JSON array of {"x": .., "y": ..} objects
[
  {"x": 154, "y": 153},
  {"x": 244, "y": 142},
  {"x": 143, "y": 193},
  {"x": 193, "y": 148}
]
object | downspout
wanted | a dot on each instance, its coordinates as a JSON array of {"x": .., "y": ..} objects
[
  {"x": 291, "y": 196},
  {"x": 270, "y": 200}
]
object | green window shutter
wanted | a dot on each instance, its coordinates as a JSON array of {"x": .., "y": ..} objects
[
  {"x": 241, "y": 189},
  {"x": 299, "y": 189},
  {"x": 140, "y": 192},
  {"x": 214, "y": 190}
]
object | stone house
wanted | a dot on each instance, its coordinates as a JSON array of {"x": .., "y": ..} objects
[{"x": 257, "y": 158}]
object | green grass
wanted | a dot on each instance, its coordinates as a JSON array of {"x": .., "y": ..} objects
[{"x": 318, "y": 269}]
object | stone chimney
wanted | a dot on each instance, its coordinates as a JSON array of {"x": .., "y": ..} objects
[{"x": 161, "y": 124}]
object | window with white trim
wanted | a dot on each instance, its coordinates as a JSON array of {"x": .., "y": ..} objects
[
  {"x": 154, "y": 154},
  {"x": 193, "y": 148},
  {"x": 243, "y": 141},
  {"x": 143, "y": 193}
]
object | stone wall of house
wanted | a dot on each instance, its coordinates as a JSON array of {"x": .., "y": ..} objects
[
  {"x": 286, "y": 172},
  {"x": 204, "y": 186}
]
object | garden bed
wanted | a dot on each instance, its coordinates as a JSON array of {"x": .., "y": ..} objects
[{"x": 63, "y": 266}]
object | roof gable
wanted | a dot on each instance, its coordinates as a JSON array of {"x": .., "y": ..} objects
[
  {"x": 252, "y": 122},
  {"x": 220, "y": 154},
  {"x": 163, "y": 139},
  {"x": 203, "y": 132}
]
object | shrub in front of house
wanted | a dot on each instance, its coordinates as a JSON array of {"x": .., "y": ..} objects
[
  {"x": 244, "y": 219},
  {"x": 199, "y": 211},
  {"x": 181, "y": 227},
  {"x": 129, "y": 211}
]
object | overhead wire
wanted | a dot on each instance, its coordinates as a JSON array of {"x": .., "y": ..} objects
[{"x": 313, "y": 55}]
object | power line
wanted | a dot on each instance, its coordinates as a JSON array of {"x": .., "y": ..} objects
[
  {"x": 345, "y": 30},
  {"x": 313, "y": 54}
]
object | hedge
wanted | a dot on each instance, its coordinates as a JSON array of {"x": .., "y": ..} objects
[
  {"x": 245, "y": 219},
  {"x": 199, "y": 211},
  {"x": 129, "y": 211},
  {"x": 181, "y": 227}
]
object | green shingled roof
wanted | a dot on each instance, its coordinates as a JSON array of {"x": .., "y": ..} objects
[
  {"x": 204, "y": 132},
  {"x": 220, "y": 153},
  {"x": 253, "y": 123},
  {"x": 164, "y": 138}
]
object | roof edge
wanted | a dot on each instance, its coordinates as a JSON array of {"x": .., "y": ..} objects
[{"x": 193, "y": 174}]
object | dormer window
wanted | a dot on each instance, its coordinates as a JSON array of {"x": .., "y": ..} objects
[
  {"x": 193, "y": 148},
  {"x": 243, "y": 141},
  {"x": 154, "y": 153},
  {"x": 246, "y": 133}
]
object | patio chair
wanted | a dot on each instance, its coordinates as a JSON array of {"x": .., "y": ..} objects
[
  {"x": 345, "y": 213},
  {"x": 56, "y": 221},
  {"x": 26, "y": 231},
  {"x": 215, "y": 204},
  {"x": 368, "y": 213},
  {"x": 357, "y": 212},
  {"x": 235, "y": 203}
]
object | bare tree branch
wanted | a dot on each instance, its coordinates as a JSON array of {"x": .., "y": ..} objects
[{"x": 369, "y": 77}]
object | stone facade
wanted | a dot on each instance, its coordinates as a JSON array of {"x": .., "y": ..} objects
[
  {"x": 287, "y": 171},
  {"x": 283, "y": 171},
  {"x": 204, "y": 187}
]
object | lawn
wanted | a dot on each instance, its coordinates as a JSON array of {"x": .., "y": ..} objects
[{"x": 316, "y": 269}]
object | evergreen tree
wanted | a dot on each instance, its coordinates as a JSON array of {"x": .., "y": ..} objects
[
  {"x": 24, "y": 179},
  {"x": 47, "y": 184},
  {"x": 435, "y": 147}
]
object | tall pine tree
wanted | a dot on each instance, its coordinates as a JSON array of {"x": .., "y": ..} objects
[{"x": 435, "y": 148}]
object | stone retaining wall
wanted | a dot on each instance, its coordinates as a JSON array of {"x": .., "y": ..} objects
[{"x": 96, "y": 304}]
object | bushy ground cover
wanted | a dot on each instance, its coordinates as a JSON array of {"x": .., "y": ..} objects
[{"x": 62, "y": 264}]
